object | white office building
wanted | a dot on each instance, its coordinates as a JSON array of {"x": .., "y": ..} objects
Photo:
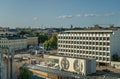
[{"x": 100, "y": 44}]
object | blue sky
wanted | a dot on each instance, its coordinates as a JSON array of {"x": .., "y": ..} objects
[{"x": 58, "y": 13}]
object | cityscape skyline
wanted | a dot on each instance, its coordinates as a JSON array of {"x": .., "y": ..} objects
[{"x": 55, "y": 13}]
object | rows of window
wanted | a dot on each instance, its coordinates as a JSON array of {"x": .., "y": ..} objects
[
  {"x": 84, "y": 52},
  {"x": 85, "y": 42},
  {"x": 84, "y": 47},
  {"x": 88, "y": 56},
  {"x": 84, "y": 38}
]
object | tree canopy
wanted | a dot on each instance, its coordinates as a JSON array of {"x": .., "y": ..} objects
[
  {"x": 25, "y": 73},
  {"x": 41, "y": 37},
  {"x": 51, "y": 43},
  {"x": 115, "y": 57},
  {"x": 23, "y": 32}
]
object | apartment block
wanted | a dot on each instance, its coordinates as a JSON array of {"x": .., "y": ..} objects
[
  {"x": 100, "y": 44},
  {"x": 13, "y": 42}
]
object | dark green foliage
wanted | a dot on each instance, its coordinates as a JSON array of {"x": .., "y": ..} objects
[
  {"x": 42, "y": 38},
  {"x": 25, "y": 73},
  {"x": 23, "y": 32},
  {"x": 115, "y": 57}
]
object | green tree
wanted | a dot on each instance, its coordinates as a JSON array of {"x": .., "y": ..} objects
[
  {"x": 23, "y": 32},
  {"x": 52, "y": 42},
  {"x": 46, "y": 44},
  {"x": 115, "y": 57},
  {"x": 41, "y": 37},
  {"x": 25, "y": 73}
]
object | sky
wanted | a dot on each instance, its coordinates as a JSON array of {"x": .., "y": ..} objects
[{"x": 59, "y": 13}]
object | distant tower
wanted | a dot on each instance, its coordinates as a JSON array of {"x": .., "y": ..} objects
[{"x": 71, "y": 26}]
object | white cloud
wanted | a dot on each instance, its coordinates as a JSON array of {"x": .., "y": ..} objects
[
  {"x": 35, "y": 18},
  {"x": 78, "y": 15},
  {"x": 65, "y": 17},
  {"x": 87, "y": 15},
  {"x": 90, "y": 15}
]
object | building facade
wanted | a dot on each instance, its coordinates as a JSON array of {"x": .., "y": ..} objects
[
  {"x": 98, "y": 44},
  {"x": 12, "y": 42},
  {"x": 32, "y": 41}
]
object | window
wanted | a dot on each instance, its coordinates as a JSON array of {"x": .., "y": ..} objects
[
  {"x": 90, "y": 38},
  {"x": 96, "y": 43},
  {"x": 96, "y": 58},
  {"x": 90, "y": 43},
  {"x": 83, "y": 38},
  {"x": 83, "y": 42},
  {"x": 93, "y": 38},
  {"x": 104, "y": 38},
  {"x": 96, "y": 48},
  {"x": 103, "y": 43},
  {"x": 96, "y": 53},
  {"x": 100, "y": 58},
  {"x": 108, "y": 38},
  {"x": 86, "y": 47},
  {"x": 103, "y": 48},
  {"x": 103, "y": 59},
  {"x": 100, "y": 53},
  {"x": 103, "y": 53},
  {"x": 86, "y": 52},
  {"x": 101, "y": 38},
  {"x": 80, "y": 38},
  {"x": 108, "y": 59},
  {"x": 86, "y": 42},
  {"x": 108, "y": 54},
  {"x": 97, "y": 38},
  {"x": 108, "y": 43},
  {"x": 86, "y": 38},
  {"x": 100, "y": 48}
]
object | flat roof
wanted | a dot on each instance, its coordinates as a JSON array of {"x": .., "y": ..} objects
[
  {"x": 88, "y": 31},
  {"x": 69, "y": 57},
  {"x": 52, "y": 71}
]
